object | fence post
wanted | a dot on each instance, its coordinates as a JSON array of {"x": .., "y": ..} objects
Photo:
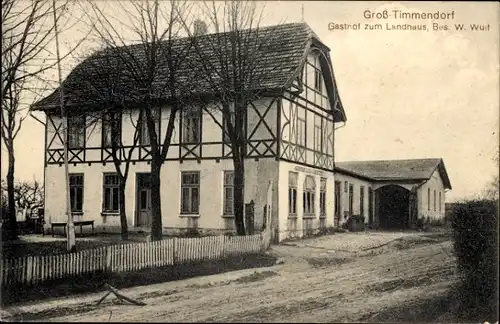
[
  {"x": 222, "y": 242},
  {"x": 174, "y": 251},
  {"x": 108, "y": 258}
]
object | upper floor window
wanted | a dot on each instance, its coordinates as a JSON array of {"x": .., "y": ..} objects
[
  {"x": 322, "y": 197},
  {"x": 226, "y": 128},
  {"x": 76, "y": 131},
  {"x": 191, "y": 126},
  {"x": 346, "y": 186},
  {"x": 111, "y": 129},
  {"x": 318, "y": 136},
  {"x": 292, "y": 193},
  {"x": 111, "y": 189},
  {"x": 301, "y": 131},
  {"x": 228, "y": 193},
  {"x": 144, "y": 137},
  {"x": 76, "y": 192},
  {"x": 309, "y": 195}
]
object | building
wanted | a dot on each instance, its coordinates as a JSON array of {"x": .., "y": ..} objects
[
  {"x": 290, "y": 141},
  {"x": 391, "y": 194}
]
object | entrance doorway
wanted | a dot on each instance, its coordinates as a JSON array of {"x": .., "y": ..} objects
[
  {"x": 337, "y": 203},
  {"x": 143, "y": 200},
  {"x": 393, "y": 206}
]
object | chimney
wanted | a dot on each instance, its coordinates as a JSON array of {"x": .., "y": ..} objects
[{"x": 199, "y": 27}]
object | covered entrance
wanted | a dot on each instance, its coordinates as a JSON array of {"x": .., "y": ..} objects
[{"x": 393, "y": 207}]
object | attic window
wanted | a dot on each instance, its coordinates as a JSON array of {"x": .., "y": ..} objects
[{"x": 317, "y": 80}]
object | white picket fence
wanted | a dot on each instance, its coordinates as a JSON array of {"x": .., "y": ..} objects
[{"x": 128, "y": 257}]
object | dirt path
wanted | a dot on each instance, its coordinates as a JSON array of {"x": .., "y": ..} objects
[{"x": 313, "y": 285}]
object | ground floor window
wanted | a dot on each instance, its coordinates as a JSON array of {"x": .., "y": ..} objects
[
  {"x": 190, "y": 192},
  {"x": 322, "y": 198},
  {"x": 309, "y": 195},
  {"x": 111, "y": 190},
  {"x": 76, "y": 192},
  {"x": 292, "y": 193}
]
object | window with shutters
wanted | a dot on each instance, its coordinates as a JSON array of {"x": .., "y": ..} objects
[
  {"x": 191, "y": 126},
  {"x": 292, "y": 193},
  {"x": 110, "y": 122},
  {"x": 228, "y": 193},
  {"x": 76, "y": 131},
  {"x": 144, "y": 138}
]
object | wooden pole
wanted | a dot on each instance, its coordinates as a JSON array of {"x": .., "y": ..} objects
[{"x": 71, "y": 227}]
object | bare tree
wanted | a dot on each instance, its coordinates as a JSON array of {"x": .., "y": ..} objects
[
  {"x": 105, "y": 93},
  {"x": 151, "y": 66},
  {"x": 231, "y": 63},
  {"x": 27, "y": 31},
  {"x": 27, "y": 194}
]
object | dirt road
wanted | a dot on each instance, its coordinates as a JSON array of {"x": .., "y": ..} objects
[{"x": 314, "y": 284}]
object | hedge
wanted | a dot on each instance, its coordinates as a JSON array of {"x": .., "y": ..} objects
[{"x": 475, "y": 236}]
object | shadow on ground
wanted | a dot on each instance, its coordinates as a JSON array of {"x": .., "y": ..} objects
[{"x": 94, "y": 282}]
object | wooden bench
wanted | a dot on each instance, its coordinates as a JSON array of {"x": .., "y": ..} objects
[{"x": 77, "y": 223}]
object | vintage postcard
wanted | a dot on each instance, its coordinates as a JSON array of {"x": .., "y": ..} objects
[{"x": 249, "y": 161}]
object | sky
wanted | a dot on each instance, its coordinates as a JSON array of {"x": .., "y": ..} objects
[{"x": 407, "y": 94}]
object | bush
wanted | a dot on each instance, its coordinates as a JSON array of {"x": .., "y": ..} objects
[
  {"x": 356, "y": 223},
  {"x": 475, "y": 236}
]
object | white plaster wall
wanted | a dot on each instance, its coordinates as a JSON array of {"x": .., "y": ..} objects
[
  {"x": 211, "y": 184},
  {"x": 435, "y": 183},
  {"x": 284, "y": 169},
  {"x": 344, "y": 196}
]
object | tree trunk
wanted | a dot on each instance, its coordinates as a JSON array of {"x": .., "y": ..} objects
[
  {"x": 123, "y": 213},
  {"x": 156, "y": 221},
  {"x": 12, "y": 221},
  {"x": 239, "y": 187}
]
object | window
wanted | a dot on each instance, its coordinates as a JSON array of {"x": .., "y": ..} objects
[
  {"x": 309, "y": 195},
  {"x": 76, "y": 131},
  {"x": 111, "y": 125},
  {"x": 111, "y": 189},
  {"x": 346, "y": 186},
  {"x": 292, "y": 193},
  {"x": 362, "y": 200},
  {"x": 434, "y": 200},
  {"x": 76, "y": 192},
  {"x": 428, "y": 198},
  {"x": 144, "y": 138},
  {"x": 318, "y": 85},
  {"x": 191, "y": 127},
  {"x": 440, "y": 201},
  {"x": 190, "y": 192},
  {"x": 322, "y": 198},
  {"x": 301, "y": 131},
  {"x": 228, "y": 193},
  {"x": 318, "y": 137},
  {"x": 225, "y": 132},
  {"x": 351, "y": 199}
]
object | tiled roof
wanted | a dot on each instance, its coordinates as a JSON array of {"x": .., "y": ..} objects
[
  {"x": 412, "y": 169},
  {"x": 281, "y": 51}
]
